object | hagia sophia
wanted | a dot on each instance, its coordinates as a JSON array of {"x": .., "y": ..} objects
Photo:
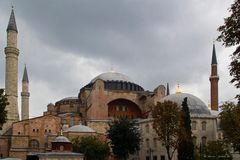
[{"x": 107, "y": 96}]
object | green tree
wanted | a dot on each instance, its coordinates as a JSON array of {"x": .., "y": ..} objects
[
  {"x": 215, "y": 150},
  {"x": 185, "y": 146},
  {"x": 230, "y": 36},
  {"x": 166, "y": 122},
  {"x": 91, "y": 147},
  {"x": 230, "y": 124},
  {"x": 125, "y": 137},
  {"x": 3, "y": 104}
]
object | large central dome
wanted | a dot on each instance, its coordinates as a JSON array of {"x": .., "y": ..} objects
[
  {"x": 116, "y": 81},
  {"x": 196, "y": 105},
  {"x": 112, "y": 76}
]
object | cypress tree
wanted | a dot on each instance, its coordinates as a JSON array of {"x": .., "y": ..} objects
[
  {"x": 186, "y": 146},
  {"x": 3, "y": 104}
]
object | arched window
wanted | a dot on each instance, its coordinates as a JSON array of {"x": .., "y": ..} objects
[
  {"x": 204, "y": 126},
  {"x": 147, "y": 143},
  {"x": 33, "y": 143},
  {"x": 194, "y": 140},
  {"x": 147, "y": 128},
  {"x": 219, "y": 136},
  {"x": 61, "y": 148},
  {"x": 204, "y": 141},
  {"x": 155, "y": 142},
  {"x": 194, "y": 125}
]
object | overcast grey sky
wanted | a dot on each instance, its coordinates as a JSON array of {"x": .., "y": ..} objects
[{"x": 66, "y": 43}]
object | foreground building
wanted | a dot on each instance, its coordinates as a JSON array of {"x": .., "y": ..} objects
[{"x": 108, "y": 96}]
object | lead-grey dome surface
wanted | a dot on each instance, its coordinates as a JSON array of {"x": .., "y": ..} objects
[
  {"x": 112, "y": 76},
  {"x": 80, "y": 128},
  {"x": 61, "y": 139},
  {"x": 196, "y": 105}
]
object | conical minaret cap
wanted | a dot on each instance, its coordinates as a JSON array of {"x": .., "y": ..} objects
[
  {"x": 12, "y": 23},
  {"x": 214, "y": 57},
  {"x": 168, "y": 92},
  {"x": 25, "y": 75}
]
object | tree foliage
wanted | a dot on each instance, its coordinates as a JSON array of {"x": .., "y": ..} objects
[
  {"x": 125, "y": 137},
  {"x": 166, "y": 122},
  {"x": 215, "y": 150},
  {"x": 186, "y": 146},
  {"x": 230, "y": 36},
  {"x": 3, "y": 104},
  {"x": 91, "y": 147},
  {"x": 230, "y": 124}
]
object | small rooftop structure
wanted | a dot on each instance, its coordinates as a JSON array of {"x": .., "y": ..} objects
[{"x": 80, "y": 129}]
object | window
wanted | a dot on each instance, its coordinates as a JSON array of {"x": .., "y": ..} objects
[
  {"x": 33, "y": 130},
  {"x": 194, "y": 140},
  {"x": 19, "y": 133},
  {"x": 118, "y": 85},
  {"x": 120, "y": 108},
  {"x": 204, "y": 126},
  {"x": 204, "y": 141},
  {"x": 219, "y": 136},
  {"x": 194, "y": 125},
  {"x": 147, "y": 143},
  {"x": 33, "y": 143},
  {"x": 61, "y": 148},
  {"x": 147, "y": 128},
  {"x": 128, "y": 86},
  {"x": 155, "y": 142},
  {"x": 162, "y": 157},
  {"x": 154, "y": 157},
  {"x": 147, "y": 158},
  {"x": 124, "y": 86}
]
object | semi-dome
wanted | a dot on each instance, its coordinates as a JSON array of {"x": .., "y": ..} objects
[
  {"x": 196, "y": 105},
  {"x": 67, "y": 100},
  {"x": 112, "y": 76},
  {"x": 80, "y": 128},
  {"x": 61, "y": 139}
]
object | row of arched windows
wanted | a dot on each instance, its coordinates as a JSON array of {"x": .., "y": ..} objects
[
  {"x": 203, "y": 125},
  {"x": 194, "y": 126},
  {"x": 155, "y": 141},
  {"x": 118, "y": 85},
  {"x": 203, "y": 140}
]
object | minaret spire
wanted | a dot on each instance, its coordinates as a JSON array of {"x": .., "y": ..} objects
[
  {"x": 168, "y": 92},
  {"x": 12, "y": 22},
  {"x": 11, "y": 73},
  {"x": 214, "y": 57},
  {"x": 214, "y": 81},
  {"x": 25, "y": 75},
  {"x": 25, "y": 95}
]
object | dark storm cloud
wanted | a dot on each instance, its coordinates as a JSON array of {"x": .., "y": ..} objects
[
  {"x": 152, "y": 41},
  {"x": 131, "y": 32}
]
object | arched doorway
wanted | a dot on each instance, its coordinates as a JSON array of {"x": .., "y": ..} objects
[{"x": 123, "y": 108}]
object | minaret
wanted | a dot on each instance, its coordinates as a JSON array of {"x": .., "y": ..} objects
[
  {"x": 11, "y": 73},
  {"x": 214, "y": 81},
  {"x": 25, "y": 95}
]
